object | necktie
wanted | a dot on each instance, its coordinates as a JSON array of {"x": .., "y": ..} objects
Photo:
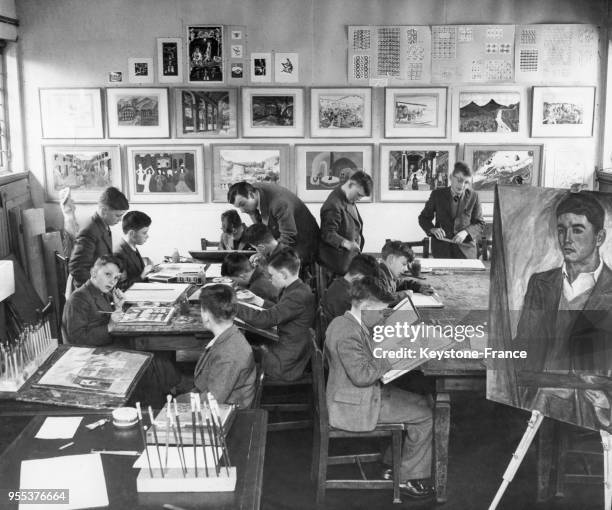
[{"x": 456, "y": 198}]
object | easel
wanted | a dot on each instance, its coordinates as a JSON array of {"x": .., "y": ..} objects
[{"x": 517, "y": 457}]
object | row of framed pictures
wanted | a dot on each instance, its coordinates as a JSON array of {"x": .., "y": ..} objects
[
  {"x": 335, "y": 112},
  {"x": 176, "y": 173}
]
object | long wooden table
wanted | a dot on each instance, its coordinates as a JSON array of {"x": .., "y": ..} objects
[{"x": 246, "y": 444}]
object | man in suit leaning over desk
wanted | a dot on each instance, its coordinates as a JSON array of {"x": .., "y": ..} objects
[{"x": 458, "y": 217}]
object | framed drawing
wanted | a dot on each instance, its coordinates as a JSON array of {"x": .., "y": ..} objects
[
  {"x": 272, "y": 112},
  {"x": 515, "y": 165},
  {"x": 488, "y": 113},
  {"x": 251, "y": 163},
  {"x": 408, "y": 173},
  {"x": 320, "y": 168},
  {"x": 206, "y": 113},
  {"x": 71, "y": 113},
  {"x": 165, "y": 173},
  {"x": 562, "y": 111},
  {"x": 340, "y": 112},
  {"x": 205, "y": 61},
  {"x": 261, "y": 67},
  {"x": 169, "y": 60},
  {"x": 86, "y": 169},
  {"x": 286, "y": 67},
  {"x": 140, "y": 70},
  {"x": 137, "y": 112},
  {"x": 415, "y": 112}
]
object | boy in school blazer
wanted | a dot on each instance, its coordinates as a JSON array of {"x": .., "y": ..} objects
[
  {"x": 135, "y": 226},
  {"x": 256, "y": 279},
  {"x": 233, "y": 229}
]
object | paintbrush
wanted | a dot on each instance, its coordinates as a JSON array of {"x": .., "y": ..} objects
[
  {"x": 154, "y": 428},
  {"x": 176, "y": 441},
  {"x": 144, "y": 438},
  {"x": 193, "y": 435},
  {"x": 180, "y": 434},
  {"x": 196, "y": 398}
]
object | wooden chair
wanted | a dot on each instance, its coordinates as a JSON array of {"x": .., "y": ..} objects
[
  {"x": 423, "y": 244},
  {"x": 484, "y": 245},
  {"x": 259, "y": 379},
  {"x": 323, "y": 433},
  {"x": 205, "y": 244},
  {"x": 293, "y": 400}
]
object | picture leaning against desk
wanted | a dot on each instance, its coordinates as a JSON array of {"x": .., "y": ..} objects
[{"x": 551, "y": 289}]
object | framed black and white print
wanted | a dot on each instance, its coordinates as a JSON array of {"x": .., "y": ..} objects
[
  {"x": 140, "y": 70},
  {"x": 205, "y": 54},
  {"x": 562, "y": 111},
  {"x": 71, "y": 113},
  {"x": 341, "y": 112},
  {"x": 137, "y": 112},
  {"x": 206, "y": 113},
  {"x": 415, "y": 112},
  {"x": 272, "y": 112},
  {"x": 169, "y": 60}
]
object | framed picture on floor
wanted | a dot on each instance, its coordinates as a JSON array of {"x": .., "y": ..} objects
[
  {"x": 272, "y": 112},
  {"x": 415, "y": 112},
  {"x": 170, "y": 60},
  {"x": 562, "y": 111},
  {"x": 251, "y": 163},
  {"x": 71, "y": 113},
  {"x": 205, "y": 54},
  {"x": 320, "y": 168},
  {"x": 137, "y": 112},
  {"x": 86, "y": 169},
  {"x": 206, "y": 113},
  {"x": 340, "y": 112},
  {"x": 408, "y": 173},
  {"x": 165, "y": 173}
]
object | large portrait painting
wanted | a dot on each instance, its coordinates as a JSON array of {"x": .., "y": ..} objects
[{"x": 551, "y": 295}]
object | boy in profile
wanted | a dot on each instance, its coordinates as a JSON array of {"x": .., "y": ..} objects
[
  {"x": 233, "y": 229},
  {"x": 135, "y": 226},
  {"x": 238, "y": 267},
  {"x": 260, "y": 237}
]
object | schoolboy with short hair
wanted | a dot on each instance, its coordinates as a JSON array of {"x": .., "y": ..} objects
[
  {"x": 238, "y": 267},
  {"x": 135, "y": 225},
  {"x": 233, "y": 229},
  {"x": 396, "y": 256}
]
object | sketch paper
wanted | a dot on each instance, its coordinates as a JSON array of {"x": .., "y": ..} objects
[
  {"x": 286, "y": 67},
  {"x": 59, "y": 427}
]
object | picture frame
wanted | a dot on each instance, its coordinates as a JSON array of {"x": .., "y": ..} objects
[
  {"x": 165, "y": 173},
  {"x": 489, "y": 113},
  {"x": 140, "y": 70},
  {"x": 562, "y": 111},
  {"x": 431, "y": 164},
  {"x": 206, "y": 112},
  {"x": 333, "y": 164},
  {"x": 86, "y": 169},
  {"x": 261, "y": 67},
  {"x": 137, "y": 112},
  {"x": 286, "y": 67},
  {"x": 170, "y": 60},
  {"x": 341, "y": 112},
  {"x": 415, "y": 112},
  {"x": 205, "y": 51},
  {"x": 71, "y": 113},
  {"x": 272, "y": 112},
  {"x": 268, "y": 163},
  {"x": 510, "y": 165}
]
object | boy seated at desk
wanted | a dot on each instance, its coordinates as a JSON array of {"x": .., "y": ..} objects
[
  {"x": 357, "y": 401},
  {"x": 227, "y": 367},
  {"x": 135, "y": 226},
  {"x": 337, "y": 299},
  {"x": 395, "y": 259},
  {"x": 238, "y": 267},
  {"x": 260, "y": 237},
  {"x": 233, "y": 229},
  {"x": 293, "y": 316}
]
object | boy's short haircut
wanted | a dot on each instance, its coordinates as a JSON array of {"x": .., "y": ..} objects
[
  {"x": 287, "y": 259},
  {"x": 583, "y": 204},
  {"x": 461, "y": 167},
  {"x": 235, "y": 264},
  {"x": 112, "y": 198},
  {"x": 364, "y": 180},
  {"x": 107, "y": 259},
  {"x": 219, "y": 300},
  {"x": 242, "y": 188},
  {"x": 398, "y": 249},
  {"x": 370, "y": 288},
  {"x": 364, "y": 265},
  {"x": 230, "y": 220},
  {"x": 135, "y": 220},
  {"x": 258, "y": 233}
]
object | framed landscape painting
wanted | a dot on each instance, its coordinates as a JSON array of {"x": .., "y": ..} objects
[
  {"x": 320, "y": 168},
  {"x": 137, "y": 112},
  {"x": 272, "y": 112},
  {"x": 165, "y": 173},
  {"x": 340, "y": 112},
  {"x": 408, "y": 173},
  {"x": 206, "y": 113},
  {"x": 86, "y": 169},
  {"x": 251, "y": 163},
  {"x": 514, "y": 165},
  {"x": 415, "y": 112},
  {"x": 71, "y": 113},
  {"x": 562, "y": 111}
]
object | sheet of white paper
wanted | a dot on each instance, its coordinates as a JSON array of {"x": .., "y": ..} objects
[
  {"x": 82, "y": 475},
  {"x": 468, "y": 264},
  {"x": 423, "y": 301},
  {"x": 154, "y": 292},
  {"x": 59, "y": 427}
]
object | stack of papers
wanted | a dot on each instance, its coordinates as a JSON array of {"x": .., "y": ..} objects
[
  {"x": 430, "y": 264},
  {"x": 172, "y": 270},
  {"x": 167, "y": 293},
  {"x": 423, "y": 301}
]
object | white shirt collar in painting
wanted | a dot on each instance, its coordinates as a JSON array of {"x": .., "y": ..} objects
[{"x": 583, "y": 282}]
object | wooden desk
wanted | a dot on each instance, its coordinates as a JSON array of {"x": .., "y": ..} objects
[{"x": 246, "y": 443}]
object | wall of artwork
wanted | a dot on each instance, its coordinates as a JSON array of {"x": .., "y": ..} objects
[{"x": 78, "y": 44}]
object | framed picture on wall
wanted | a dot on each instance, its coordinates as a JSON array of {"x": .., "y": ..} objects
[
  {"x": 340, "y": 112},
  {"x": 137, "y": 112},
  {"x": 515, "y": 165},
  {"x": 272, "y": 112},
  {"x": 408, "y": 173},
  {"x": 170, "y": 60},
  {"x": 261, "y": 67},
  {"x": 251, "y": 163},
  {"x": 71, "y": 113},
  {"x": 415, "y": 112},
  {"x": 165, "y": 173},
  {"x": 320, "y": 168},
  {"x": 206, "y": 113},
  {"x": 86, "y": 169},
  {"x": 140, "y": 70},
  {"x": 562, "y": 111},
  {"x": 205, "y": 54}
]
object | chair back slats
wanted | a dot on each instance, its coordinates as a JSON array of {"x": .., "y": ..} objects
[{"x": 318, "y": 383}]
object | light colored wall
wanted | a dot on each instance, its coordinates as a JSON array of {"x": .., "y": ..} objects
[{"x": 73, "y": 43}]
